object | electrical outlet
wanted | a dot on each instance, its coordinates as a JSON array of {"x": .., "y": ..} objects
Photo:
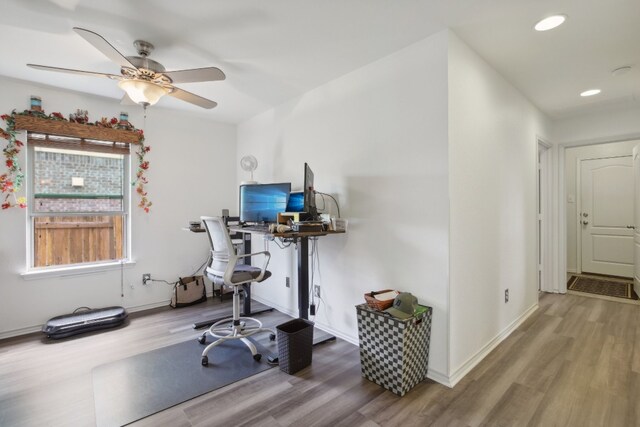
[
  {"x": 145, "y": 278},
  {"x": 287, "y": 282},
  {"x": 506, "y": 295},
  {"x": 316, "y": 290}
]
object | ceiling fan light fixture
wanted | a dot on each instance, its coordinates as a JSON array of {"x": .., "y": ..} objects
[{"x": 142, "y": 91}]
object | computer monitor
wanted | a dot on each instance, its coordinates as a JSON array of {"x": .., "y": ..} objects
[
  {"x": 261, "y": 203},
  {"x": 309, "y": 193},
  {"x": 296, "y": 202}
]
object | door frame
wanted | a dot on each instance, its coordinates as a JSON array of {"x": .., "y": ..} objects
[
  {"x": 560, "y": 223},
  {"x": 544, "y": 205},
  {"x": 579, "y": 161}
]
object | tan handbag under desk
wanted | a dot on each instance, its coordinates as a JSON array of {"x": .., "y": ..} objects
[{"x": 188, "y": 291}]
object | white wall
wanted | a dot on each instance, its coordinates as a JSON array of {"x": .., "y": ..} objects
[
  {"x": 377, "y": 140},
  {"x": 193, "y": 173},
  {"x": 605, "y": 126},
  {"x": 492, "y": 175},
  {"x": 572, "y": 156}
]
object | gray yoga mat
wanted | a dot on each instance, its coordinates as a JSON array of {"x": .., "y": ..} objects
[{"x": 136, "y": 387}]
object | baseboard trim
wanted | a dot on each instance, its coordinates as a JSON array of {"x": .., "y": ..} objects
[
  {"x": 484, "y": 351},
  {"x": 439, "y": 377},
  {"x": 38, "y": 328},
  {"x": 149, "y": 306},
  {"x": 21, "y": 331},
  {"x": 273, "y": 305},
  {"x": 324, "y": 327}
]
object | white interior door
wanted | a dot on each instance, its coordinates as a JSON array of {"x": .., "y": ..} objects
[
  {"x": 636, "y": 215},
  {"x": 606, "y": 216}
]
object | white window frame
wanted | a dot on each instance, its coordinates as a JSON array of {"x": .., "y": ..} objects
[{"x": 83, "y": 268}]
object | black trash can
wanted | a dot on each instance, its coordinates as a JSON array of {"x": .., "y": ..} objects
[{"x": 295, "y": 344}]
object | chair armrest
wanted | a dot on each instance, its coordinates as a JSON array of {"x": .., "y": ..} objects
[
  {"x": 266, "y": 253},
  {"x": 229, "y": 273}
]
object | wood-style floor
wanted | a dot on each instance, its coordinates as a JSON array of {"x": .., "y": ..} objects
[{"x": 575, "y": 362}]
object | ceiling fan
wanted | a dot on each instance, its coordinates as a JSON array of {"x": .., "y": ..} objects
[{"x": 144, "y": 80}]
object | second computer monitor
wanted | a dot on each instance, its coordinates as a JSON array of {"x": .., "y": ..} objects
[
  {"x": 296, "y": 202},
  {"x": 261, "y": 203},
  {"x": 309, "y": 193}
]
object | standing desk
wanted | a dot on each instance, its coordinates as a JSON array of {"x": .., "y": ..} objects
[
  {"x": 301, "y": 238},
  {"x": 303, "y": 259}
]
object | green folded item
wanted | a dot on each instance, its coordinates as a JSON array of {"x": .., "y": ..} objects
[{"x": 420, "y": 310}]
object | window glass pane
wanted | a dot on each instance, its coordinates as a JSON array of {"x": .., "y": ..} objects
[
  {"x": 77, "y": 181},
  {"x": 60, "y": 240}
]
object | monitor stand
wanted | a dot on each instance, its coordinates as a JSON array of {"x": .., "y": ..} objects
[{"x": 309, "y": 216}]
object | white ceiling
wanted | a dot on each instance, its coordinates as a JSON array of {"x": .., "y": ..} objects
[{"x": 277, "y": 49}]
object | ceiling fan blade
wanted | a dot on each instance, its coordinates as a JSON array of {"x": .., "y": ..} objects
[
  {"x": 104, "y": 46},
  {"x": 208, "y": 74},
  {"x": 69, "y": 70},
  {"x": 192, "y": 98}
]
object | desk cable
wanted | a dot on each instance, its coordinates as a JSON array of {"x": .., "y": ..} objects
[
  {"x": 324, "y": 204},
  {"x": 178, "y": 281},
  {"x": 203, "y": 264},
  {"x": 315, "y": 264},
  {"x": 282, "y": 243}
]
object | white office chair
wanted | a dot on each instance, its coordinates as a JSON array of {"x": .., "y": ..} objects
[{"x": 225, "y": 270}]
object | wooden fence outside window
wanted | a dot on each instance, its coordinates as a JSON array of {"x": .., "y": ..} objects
[{"x": 74, "y": 240}]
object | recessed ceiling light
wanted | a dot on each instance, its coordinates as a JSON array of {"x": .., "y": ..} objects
[
  {"x": 590, "y": 92},
  {"x": 550, "y": 22}
]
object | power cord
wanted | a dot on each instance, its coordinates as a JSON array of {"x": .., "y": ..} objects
[
  {"x": 314, "y": 258},
  {"x": 282, "y": 244},
  {"x": 203, "y": 264},
  {"x": 122, "y": 278},
  {"x": 334, "y": 200},
  {"x": 164, "y": 281},
  {"x": 317, "y": 311}
]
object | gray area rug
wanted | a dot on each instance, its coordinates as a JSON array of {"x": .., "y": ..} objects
[{"x": 136, "y": 387}]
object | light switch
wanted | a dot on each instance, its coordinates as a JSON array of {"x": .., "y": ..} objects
[{"x": 571, "y": 198}]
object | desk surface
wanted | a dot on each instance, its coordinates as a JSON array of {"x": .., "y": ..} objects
[
  {"x": 196, "y": 229},
  {"x": 291, "y": 234},
  {"x": 288, "y": 234}
]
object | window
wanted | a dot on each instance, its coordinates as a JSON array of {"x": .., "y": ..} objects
[{"x": 78, "y": 200}]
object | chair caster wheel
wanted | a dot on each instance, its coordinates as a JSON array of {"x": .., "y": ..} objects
[
  {"x": 202, "y": 339},
  {"x": 205, "y": 360},
  {"x": 272, "y": 337},
  {"x": 257, "y": 357}
]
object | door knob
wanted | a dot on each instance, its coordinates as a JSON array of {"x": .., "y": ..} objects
[
  {"x": 585, "y": 222},
  {"x": 631, "y": 226},
  {"x": 584, "y": 214}
]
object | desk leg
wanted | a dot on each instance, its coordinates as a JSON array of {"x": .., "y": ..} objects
[
  {"x": 319, "y": 337},
  {"x": 247, "y": 288},
  {"x": 303, "y": 278},
  {"x": 246, "y": 312}
]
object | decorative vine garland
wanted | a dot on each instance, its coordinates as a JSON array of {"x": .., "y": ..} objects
[{"x": 12, "y": 180}]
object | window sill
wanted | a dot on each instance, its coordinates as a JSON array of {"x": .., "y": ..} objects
[{"x": 76, "y": 270}]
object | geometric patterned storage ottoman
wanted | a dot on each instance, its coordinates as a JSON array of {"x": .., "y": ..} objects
[{"x": 394, "y": 353}]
